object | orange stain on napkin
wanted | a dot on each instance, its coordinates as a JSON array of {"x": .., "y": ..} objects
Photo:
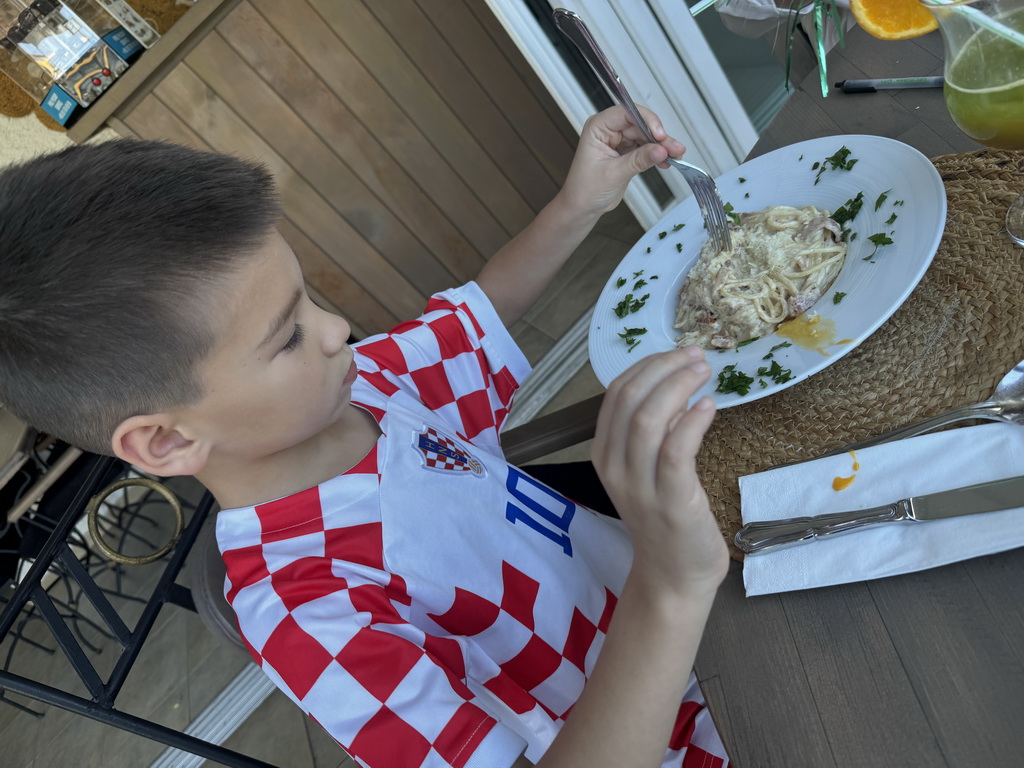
[{"x": 842, "y": 483}]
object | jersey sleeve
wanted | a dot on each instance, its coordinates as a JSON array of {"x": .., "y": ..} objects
[
  {"x": 458, "y": 359},
  {"x": 337, "y": 645}
]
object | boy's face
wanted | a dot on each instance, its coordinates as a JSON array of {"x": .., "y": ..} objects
[{"x": 281, "y": 369}]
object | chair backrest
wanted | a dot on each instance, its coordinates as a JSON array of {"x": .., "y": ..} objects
[{"x": 207, "y": 570}]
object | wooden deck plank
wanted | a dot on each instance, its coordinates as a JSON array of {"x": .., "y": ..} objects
[
  {"x": 754, "y": 708},
  {"x": 852, "y": 665},
  {"x": 948, "y": 631}
]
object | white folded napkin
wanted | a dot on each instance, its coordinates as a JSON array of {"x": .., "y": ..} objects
[{"x": 915, "y": 466}]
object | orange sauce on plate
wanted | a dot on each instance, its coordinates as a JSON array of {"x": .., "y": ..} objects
[{"x": 811, "y": 331}]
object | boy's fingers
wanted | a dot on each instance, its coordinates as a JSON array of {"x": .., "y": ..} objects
[
  {"x": 640, "y": 406},
  {"x": 686, "y": 434},
  {"x": 648, "y": 430},
  {"x": 628, "y": 390}
]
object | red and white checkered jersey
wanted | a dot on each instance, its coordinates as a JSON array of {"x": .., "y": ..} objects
[{"x": 434, "y": 605}]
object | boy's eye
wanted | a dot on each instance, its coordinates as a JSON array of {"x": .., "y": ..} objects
[{"x": 296, "y": 338}]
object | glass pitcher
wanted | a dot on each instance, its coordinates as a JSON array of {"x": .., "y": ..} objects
[{"x": 984, "y": 68}]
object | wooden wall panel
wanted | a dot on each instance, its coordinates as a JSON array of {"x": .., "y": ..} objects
[
  {"x": 389, "y": 121},
  {"x": 200, "y": 108},
  {"x": 534, "y": 140},
  {"x": 409, "y": 138},
  {"x": 328, "y": 285},
  {"x": 395, "y": 190},
  {"x": 459, "y": 75},
  {"x": 402, "y": 78},
  {"x": 503, "y": 43}
]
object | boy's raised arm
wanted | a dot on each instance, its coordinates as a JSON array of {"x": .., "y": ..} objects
[
  {"x": 645, "y": 452},
  {"x": 611, "y": 151}
]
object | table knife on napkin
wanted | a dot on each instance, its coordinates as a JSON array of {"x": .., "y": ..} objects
[{"x": 983, "y": 497}]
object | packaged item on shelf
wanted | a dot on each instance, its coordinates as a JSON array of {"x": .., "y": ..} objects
[{"x": 64, "y": 54}]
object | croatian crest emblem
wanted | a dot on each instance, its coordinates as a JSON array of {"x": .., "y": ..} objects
[{"x": 442, "y": 454}]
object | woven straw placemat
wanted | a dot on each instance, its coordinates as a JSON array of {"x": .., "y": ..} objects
[{"x": 948, "y": 345}]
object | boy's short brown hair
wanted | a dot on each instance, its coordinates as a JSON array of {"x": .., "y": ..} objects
[{"x": 107, "y": 252}]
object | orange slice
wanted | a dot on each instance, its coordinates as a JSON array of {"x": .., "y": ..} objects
[{"x": 893, "y": 19}]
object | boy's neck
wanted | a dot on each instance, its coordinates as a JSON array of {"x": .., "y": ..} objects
[{"x": 325, "y": 455}]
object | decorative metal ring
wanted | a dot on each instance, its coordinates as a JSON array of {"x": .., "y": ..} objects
[{"x": 92, "y": 512}]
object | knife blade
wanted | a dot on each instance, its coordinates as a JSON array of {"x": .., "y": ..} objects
[{"x": 969, "y": 500}]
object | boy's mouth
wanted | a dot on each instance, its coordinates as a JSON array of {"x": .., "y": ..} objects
[{"x": 351, "y": 375}]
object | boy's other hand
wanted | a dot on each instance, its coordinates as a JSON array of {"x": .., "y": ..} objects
[
  {"x": 645, "y": 452},
  {"x": 612, "y": 151}
]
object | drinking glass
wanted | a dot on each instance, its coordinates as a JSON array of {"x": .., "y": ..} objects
[{"x": 984, "y": 72}]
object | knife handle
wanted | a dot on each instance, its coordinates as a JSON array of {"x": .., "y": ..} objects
[{"x": 757, "y": 537}]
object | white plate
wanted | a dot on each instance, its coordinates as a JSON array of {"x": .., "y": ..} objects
[{"x": 874, "y": 289}]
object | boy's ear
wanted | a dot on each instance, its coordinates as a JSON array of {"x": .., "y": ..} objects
[{"x": 153, "y": 444}]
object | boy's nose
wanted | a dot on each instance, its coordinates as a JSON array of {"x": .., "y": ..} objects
[{"x": 335, "y": 334}]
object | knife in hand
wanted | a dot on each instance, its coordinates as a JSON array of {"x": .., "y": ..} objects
[{"x": 984, "y": 497}]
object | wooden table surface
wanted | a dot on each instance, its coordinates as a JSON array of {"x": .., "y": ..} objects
[{"x": 925, "y": 669}]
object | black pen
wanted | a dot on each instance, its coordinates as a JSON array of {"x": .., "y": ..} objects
[{"x": 889, "y": 83}]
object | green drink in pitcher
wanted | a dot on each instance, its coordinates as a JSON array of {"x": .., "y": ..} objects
[{"x": 985, "y": 86}]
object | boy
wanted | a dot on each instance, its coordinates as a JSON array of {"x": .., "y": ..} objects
[{"x": 384, "y": 562}]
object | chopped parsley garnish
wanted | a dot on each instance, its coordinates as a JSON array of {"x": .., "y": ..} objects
[
  {"x": 748, "y": 341},
  {"x": 800, "y": 158},
  {"x": 881, "y": 199},
  {"x": 840, "y": 161},
  {"x": 677, "y": 227},
  {"x": 730, "y": 380},
  {"x": 837, "y": 297},
  {"x": 620, "y": 282},
  {"x": 679, "y": 247},
  {"x": 898, "y": 202},
  {"x": 746, "y": 194},
  {"x": 629, "y": 336},
  {"x": 648, "y": 249},
  {"x": 776, "y": 373},
  {"x": 891, "y": 219},
  {"x": 742, "y": 180},
  {"x": 879, "y": 239},
  {"x": 654, "y": 277},
  {"x": 771, "y": 352},
  {"x": 848, "y": 210},
  {"x": 729, "y": 212},
  {"x": 629, "y": 304},
  {"x": 639, "y": 284},
  {"x": 662, "y": 235}
]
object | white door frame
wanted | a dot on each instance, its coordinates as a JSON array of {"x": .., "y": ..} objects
[{"x": 662, "y": 57}]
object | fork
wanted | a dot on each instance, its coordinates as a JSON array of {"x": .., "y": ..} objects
[
  {"x": 1008, "y": 411},
  {"x": 701, "y": 183}
]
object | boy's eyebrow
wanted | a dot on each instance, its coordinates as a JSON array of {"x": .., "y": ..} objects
[{"x": 282, "y": 318}]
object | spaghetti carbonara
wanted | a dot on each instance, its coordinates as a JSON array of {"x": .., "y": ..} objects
[{"x": 782, "y": 260}]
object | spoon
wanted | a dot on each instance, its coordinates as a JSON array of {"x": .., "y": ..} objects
[
  {"x": 1015, "y": 220},
  {"x": 1006, "y": 404}
]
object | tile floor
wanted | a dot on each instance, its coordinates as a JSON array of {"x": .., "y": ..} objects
[{"x": 183, "y": 666}]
